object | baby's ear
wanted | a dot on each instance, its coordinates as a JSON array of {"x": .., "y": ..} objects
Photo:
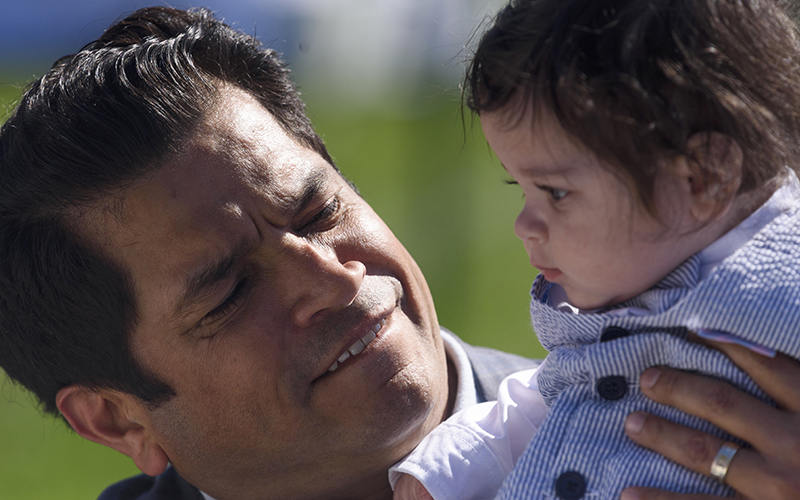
[{"x": 713, "y": 173}]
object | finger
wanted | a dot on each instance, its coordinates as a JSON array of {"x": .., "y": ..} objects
[
  {"x": 410, "y": 488},
  {"x": 403, "y": 489},
  {"x": 720, "y": 403},
  {"x": 777, "y": 376},
  {"x": 747, "y": 473},
  {"x": 654, "y": 494},
  {"x": 422, "y": 493},
  {"x": 691, "y": 448}
]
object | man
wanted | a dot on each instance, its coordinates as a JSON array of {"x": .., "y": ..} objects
[{"x": 188, "y": 279}]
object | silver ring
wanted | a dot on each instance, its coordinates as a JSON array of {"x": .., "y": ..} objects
[{"x": 719, "y": 467}]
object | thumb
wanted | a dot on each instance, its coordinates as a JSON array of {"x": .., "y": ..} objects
[{"x": 409, "y": 488}]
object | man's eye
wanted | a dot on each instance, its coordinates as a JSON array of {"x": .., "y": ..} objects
[
  {"x": 555, "y": 193},
  {"x": 230, "y": 303},
  {"x": 327, "y": 212}
]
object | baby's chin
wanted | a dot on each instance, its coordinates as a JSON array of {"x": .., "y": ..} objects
[{"x": 589, "y": 302}]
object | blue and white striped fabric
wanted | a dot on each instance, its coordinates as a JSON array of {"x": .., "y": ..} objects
[{"x": 754, "y": 295}]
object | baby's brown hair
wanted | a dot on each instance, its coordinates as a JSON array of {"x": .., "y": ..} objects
[{"x": 634, "y": 80}]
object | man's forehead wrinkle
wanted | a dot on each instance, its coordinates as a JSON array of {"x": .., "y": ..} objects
[
  {"x": 256, "y": 164},
  {"x": 259, "y": 150},
  {"x": 295, "y": 198},
  {"x": 283, "y": 187},
  {"x": 241, "y": 149}
]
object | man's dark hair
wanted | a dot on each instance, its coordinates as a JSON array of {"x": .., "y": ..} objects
[
  {"x": 97, "y": 121},
  {"x": 633, "y": 80}
]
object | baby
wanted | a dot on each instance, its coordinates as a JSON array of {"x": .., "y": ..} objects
[{"x": 655, "y": 143}]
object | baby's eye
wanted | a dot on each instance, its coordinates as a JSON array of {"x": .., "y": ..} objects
[{"x": 555, "y": 193}]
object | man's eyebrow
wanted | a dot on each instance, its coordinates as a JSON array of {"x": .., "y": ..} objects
[
  {"x": 203, "y": 280},
  {"x": 314, "y": 183}
]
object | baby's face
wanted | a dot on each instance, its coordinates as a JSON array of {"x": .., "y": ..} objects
[{"x": 580, "y": 224}]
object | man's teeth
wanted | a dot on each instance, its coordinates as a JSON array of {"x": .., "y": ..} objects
[{"x": 359, "y": 345}]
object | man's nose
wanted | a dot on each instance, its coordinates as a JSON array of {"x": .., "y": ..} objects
[
  {"x": 322, "y": 283},
  {"x": 530, "y": 226}
]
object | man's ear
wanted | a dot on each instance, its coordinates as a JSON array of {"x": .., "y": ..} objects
[
  {"x": 113, "y": 419},
  {"x": 712, "y": 173}
]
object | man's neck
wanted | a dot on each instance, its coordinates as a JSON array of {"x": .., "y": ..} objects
[
  {"x": 377, "y": 489},
  {"x": 384, "y": 494}
]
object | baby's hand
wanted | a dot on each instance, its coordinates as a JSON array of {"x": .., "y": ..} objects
[{"x": 409, "y": 488}]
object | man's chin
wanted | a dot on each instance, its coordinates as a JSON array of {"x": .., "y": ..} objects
[{"x": 415, "y": 399}]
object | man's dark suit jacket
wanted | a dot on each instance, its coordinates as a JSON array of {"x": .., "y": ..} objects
[{"x": 489, "y": 367}]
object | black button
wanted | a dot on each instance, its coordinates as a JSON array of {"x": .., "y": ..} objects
[
  {"x": 570, "y": 485},
  {"x": 613, "y": 332},
  {"x": 612, "y": 388}
]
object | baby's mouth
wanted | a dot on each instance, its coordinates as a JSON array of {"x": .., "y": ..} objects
[{"x": 359, "y": 345}]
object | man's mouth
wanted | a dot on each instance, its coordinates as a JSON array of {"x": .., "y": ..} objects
[{"x": 359, "y": 345}]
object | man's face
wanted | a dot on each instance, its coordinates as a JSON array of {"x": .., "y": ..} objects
[{"x": 255, "y": 268}]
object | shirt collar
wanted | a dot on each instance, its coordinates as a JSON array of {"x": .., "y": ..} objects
[
  {"x": 466, "y": 394},
  {"x": 782, "y": 200}
]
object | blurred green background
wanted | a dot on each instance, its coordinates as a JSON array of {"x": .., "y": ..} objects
[{"x": 425, "y": 169}]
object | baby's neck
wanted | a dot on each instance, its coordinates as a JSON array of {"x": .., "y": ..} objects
[{"x": 743, "y": 206}]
